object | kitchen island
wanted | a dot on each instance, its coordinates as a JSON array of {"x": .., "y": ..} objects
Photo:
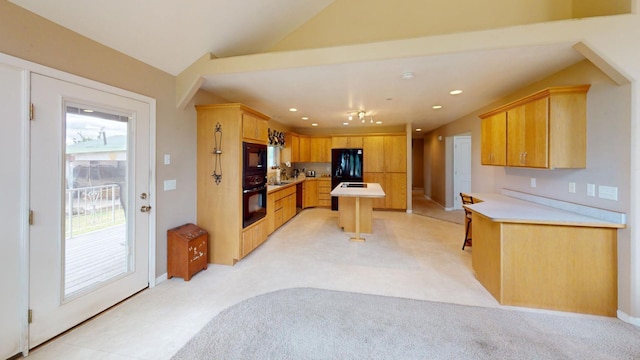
[
  {"x": 532, "y": 255},
  {"x": 355, "y": 206}
]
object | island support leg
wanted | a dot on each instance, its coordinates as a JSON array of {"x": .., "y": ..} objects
[{"x": 357, "y": 237}]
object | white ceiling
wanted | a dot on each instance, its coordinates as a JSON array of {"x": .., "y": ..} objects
[{"x": 171, "y": 35}]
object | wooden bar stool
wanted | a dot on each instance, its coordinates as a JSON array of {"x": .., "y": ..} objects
[{"x": 466, "y": 200}]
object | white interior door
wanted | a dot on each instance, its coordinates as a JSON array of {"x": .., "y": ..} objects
[
  {"x": 461, "y": 168},
  {"x": 89, "y": 239}
]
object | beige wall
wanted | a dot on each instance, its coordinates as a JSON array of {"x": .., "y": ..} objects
[
  {"x": 417, "y": 162},
  {"x": 586, "y": 8},
  {"x": 361, "y": 21},
  {"x": 38, "y": 40}
]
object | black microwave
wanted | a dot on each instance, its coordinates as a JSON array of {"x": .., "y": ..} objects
[{"x": 254, "y": 159}]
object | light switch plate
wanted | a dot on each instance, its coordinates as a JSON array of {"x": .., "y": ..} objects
[
  {"x": 591, "y": 189},
  {"x": 533, "y": 182},
  {"x": 167, "y": 159},
  {"x": 608, "y": 192},
  {"x": 169, "y": 185},
  {"x": 572, "y": 187}
]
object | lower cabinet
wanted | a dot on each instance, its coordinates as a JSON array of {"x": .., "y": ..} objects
[
  {"x": 324, "y": 191},
  {"x": 310, "y": 191},
  {"x": 253, "y": 236},
  {"x": 281, "y": 206}
]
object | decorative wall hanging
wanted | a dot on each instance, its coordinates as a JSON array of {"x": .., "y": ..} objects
[
  {"x": 217, "y": 152},
  {"x": 276, "y": 138}
]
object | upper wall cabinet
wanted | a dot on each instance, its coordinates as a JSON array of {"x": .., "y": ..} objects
[
  {"x": 254, "y": 128},
  {"x": 547, "y": 130}
]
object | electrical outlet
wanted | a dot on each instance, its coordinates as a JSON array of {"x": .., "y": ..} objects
[
  {"x": 591, "y": 189},
  {"x": 533, "y": 182},
  {"x": 608, "y": 192},
  {"x": 572, "y": 187}
]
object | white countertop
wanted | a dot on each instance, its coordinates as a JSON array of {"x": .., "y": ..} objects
[
  {"x": 372, "y": 190},
  {"x": 501, "y": 208}
]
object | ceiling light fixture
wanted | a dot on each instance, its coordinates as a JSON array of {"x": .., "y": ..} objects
[
  {"x": 345, "y": 124},
  {"x": 314, "y": 124},
  {"x": 418, "y": 130},
  {"x": 407, "y": 75},
  {"x": 305, "y": 118},
  {"x": 455, "y": 92},
  {"x": 436, "y": 107},
  {"x": 293, "y": 109},
  {"x": 378, "y": 122}
]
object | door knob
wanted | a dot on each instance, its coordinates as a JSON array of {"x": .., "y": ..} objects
[
  {"x": 145, "y": 208},
  {"x": 143, "y": 196}
]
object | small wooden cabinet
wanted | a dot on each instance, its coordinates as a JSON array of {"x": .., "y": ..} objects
[
  {"x": 281, "y": 207},
  {"x": 186, "y": 251},
  {"x": 324, "y": 191},
  {"x": 254, "y": 129},
  {"x": 320, "y": 149},
  {"x": 494, "y": 140},
  {"x": 253, "y": 236},
  {"x": 346, "y": 142},
  {"x": 545, "y": 130},
  {"x": 310, "y": 191}
]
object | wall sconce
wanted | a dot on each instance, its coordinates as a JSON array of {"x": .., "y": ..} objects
[{"x": 439, "y": 137}]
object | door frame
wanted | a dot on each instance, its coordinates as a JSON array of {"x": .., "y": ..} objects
[
  {"x": 29, "y": 68},
  {"x": 456, "y": 204}
]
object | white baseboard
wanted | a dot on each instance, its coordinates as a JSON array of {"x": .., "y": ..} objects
[
  {"x": 161, "y": 278},
  {"x": 628, "y": 319}
]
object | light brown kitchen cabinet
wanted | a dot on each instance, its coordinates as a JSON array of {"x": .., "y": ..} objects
[
  {"x": 219, "y": 206},
  {"x": 346, "y": 142},
  {"x": 379, "y": 178},
  {"x": 320, "y": 149},
  {"x": 395, "y": 153},
  {"x": 546, "y": 129},
  {"x": 304, "y": 151},
  {"x": 310, "y": 191},
  {"x": 324, "y": 191},
  {"x": 527, "y": 135},
  {"x": 254, "y": 129},
  {"x": 396, "y": 196},
  {"x": 385, "y": 163},
  {"x": 253, "y": 236},
  {"x": 281, "y": 207},
  {"x": 373, "y": 154},
  {"x": 494, "y": 140}
]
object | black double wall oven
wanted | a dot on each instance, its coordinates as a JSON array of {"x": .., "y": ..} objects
[{"x": 254, "y": 183}]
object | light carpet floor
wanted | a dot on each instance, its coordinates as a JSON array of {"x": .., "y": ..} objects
[{"x": 305, "y": 323}]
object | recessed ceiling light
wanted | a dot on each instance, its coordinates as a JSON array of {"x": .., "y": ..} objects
[
  {"x": 436, "y": 107},
  {"x": 389, "y": 99},
  {"x": 418, "y": 130},
  {"x": 407, "y": 75},
  {"x": 87, "y": 110},
  {"x": 293, "y": 109},
  {"x": 345, "y": 123},
  {"x": 455, "y": 92},
  {"x": 378, "y": 122},
  {"x": 305, "y": 118},
  {"x": 314, "y": 124}
]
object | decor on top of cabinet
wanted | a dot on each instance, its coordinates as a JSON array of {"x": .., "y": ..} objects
[
  {"x": 217, "y": 152},
  {"x": 276, "y": 138}
]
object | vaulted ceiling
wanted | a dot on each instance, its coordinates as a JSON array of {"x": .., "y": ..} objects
[{"x": 172, "y": 36}]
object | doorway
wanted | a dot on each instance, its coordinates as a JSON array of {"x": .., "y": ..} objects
[
  {"x": 89, "y": 188},
  {"x": 461, "y": 168}
]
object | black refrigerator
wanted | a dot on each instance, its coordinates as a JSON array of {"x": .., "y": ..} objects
[{"x": 346, "y": 165}]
